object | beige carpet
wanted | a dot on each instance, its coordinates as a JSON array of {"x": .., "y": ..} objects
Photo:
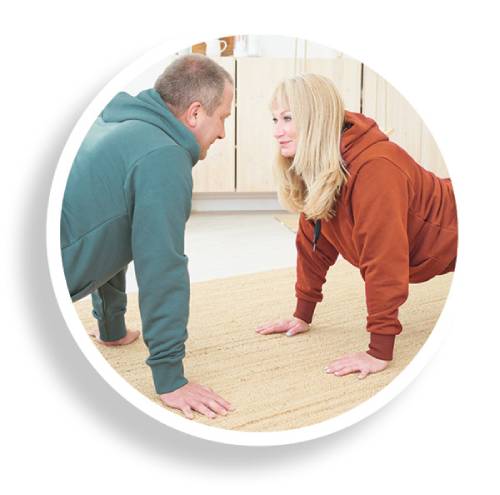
[{"x": 276, "y": 382}]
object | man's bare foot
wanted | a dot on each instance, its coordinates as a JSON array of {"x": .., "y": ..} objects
[{"x": 131, "y": 336}]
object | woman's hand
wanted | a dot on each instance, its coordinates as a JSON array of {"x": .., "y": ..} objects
[
  {"x": 359, "y": 361},
  {"x": 291, "y": 326}
]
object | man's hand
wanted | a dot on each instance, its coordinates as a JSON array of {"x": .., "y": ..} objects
[
  {"x": 291, "y": 326},
  {"x": 193, "y": 397},
  {"x": 359, "y": 361}
]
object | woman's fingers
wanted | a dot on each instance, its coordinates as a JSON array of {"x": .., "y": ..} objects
[
  {"x": 343, "y": 366},
  {"x": 337, "y": 365},
  {"x": 264, "y": 326},
  {"x": 343, "y": 370},
  {"x": 299, "y": 327},
  {"x": 291, "y": 326},
  {"x": 359, "y": 361},
  {"x": 363, "y": 374},
  {"x": 275, "y": 327},
  {"x": 346, "y": 371}
]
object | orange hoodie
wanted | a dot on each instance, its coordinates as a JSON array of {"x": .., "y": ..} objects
[{"x": 394, "y": 220}]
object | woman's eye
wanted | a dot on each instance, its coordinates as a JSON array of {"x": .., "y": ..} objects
[
  {"x": 287, "y": 118},
  {"x": 275, "y": 120}
]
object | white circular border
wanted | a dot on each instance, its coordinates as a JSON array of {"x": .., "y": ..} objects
[{"x": 152, "y": 409}]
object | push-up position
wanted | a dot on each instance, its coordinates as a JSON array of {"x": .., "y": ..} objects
[{"x": 363, "y": 197}]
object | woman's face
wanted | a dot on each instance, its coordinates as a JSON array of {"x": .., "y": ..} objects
[{"x": 284, "y": 131}]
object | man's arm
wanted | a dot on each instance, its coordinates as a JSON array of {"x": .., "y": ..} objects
[{"x": 160, "y": 188}]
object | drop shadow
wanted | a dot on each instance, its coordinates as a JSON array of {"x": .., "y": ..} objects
[{"x": 85, "y": 387}]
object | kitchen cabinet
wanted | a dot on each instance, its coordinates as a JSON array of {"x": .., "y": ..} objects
[
  {"x": 216, "y": 173},
  {"x": 256, "y": 80},
  {"x": 243, "y": 161}
]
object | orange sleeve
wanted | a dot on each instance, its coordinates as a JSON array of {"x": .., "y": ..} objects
[
  {"x": 312, "y": 266},
  {"x": 380, "y": 200}
]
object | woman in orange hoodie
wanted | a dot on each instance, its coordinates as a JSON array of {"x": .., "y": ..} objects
[{"x": 363, "y": 197}]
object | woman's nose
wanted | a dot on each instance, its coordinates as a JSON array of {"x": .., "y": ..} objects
[{"x": 278, "y": 131}]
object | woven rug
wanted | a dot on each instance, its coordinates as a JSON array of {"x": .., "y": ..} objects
[{"x": 277, "y": 382}]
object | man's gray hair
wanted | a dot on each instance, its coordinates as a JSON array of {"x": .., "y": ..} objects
[{"x": 193, "y": 78}]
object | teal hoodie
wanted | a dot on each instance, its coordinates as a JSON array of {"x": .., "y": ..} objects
[{"x": 128, "y": 197}]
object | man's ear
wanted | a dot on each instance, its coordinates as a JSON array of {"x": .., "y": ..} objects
[{"x": 192, "y": 113}]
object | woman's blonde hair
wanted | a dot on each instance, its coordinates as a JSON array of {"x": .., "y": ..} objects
[{"x": 311, "y": 181}]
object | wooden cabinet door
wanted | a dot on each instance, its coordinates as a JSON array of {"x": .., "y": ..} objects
[
  {"x": 255, "y": 145},
  {"x": 256, "y": 80},
  {"x": 344, "y": 72},
  {"x": 216, "y": 173}
]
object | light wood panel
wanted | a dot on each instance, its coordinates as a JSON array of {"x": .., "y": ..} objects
[
  {"x": 431, "y": 156},
  {"x": 257, "y": 78},
  {"x": 250, "y": 164},
  {"x": 344, "y": 72},
  {"x": 396, "y": 117},
  {"x": 216, "y": 173},
  {"x": 256, "y": 149}
]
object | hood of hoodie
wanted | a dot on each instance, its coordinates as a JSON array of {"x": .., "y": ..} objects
[
  {"x": 148, "y": 106},
  {"x": 362, "y": 132}
]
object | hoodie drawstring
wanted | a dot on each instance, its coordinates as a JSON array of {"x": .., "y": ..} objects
[{"x": 317, "y": 233}]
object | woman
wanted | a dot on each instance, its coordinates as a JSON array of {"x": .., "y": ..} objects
[{"x": 364, "y": 198}]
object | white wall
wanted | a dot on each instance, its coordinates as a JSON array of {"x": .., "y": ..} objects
[
  {"x": 285, "y": 47},
  {"x": 264, "y": 46}
]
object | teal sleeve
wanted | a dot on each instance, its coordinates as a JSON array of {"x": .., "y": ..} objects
[
  {"x": 160, "y": 188},
  {"x": 109, "y": 305}
]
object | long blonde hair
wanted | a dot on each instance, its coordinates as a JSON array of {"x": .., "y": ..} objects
[{"x": 311, "y": 181}]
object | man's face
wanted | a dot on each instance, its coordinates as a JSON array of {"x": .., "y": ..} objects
[{"x": 209, "y": 128}]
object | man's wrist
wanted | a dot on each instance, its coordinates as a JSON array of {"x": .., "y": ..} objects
[{"x": 168, "y": 377}]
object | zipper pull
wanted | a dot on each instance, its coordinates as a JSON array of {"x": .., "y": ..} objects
[{"x": 317, "y": 233}]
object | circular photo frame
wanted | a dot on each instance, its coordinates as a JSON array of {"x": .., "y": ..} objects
[{"x": 261, "y": 62}]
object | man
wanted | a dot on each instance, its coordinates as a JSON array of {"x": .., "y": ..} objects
[{"x": 128, "y": 197}]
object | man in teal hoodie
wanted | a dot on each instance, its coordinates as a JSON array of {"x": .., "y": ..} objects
[{"x": 128, "y": 197}]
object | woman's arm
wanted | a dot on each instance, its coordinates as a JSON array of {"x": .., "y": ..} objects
[
  {"x": 313, "y": 262},
  {"x": 312, "y": 265},
  {"x": 380, "y": 202}
]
